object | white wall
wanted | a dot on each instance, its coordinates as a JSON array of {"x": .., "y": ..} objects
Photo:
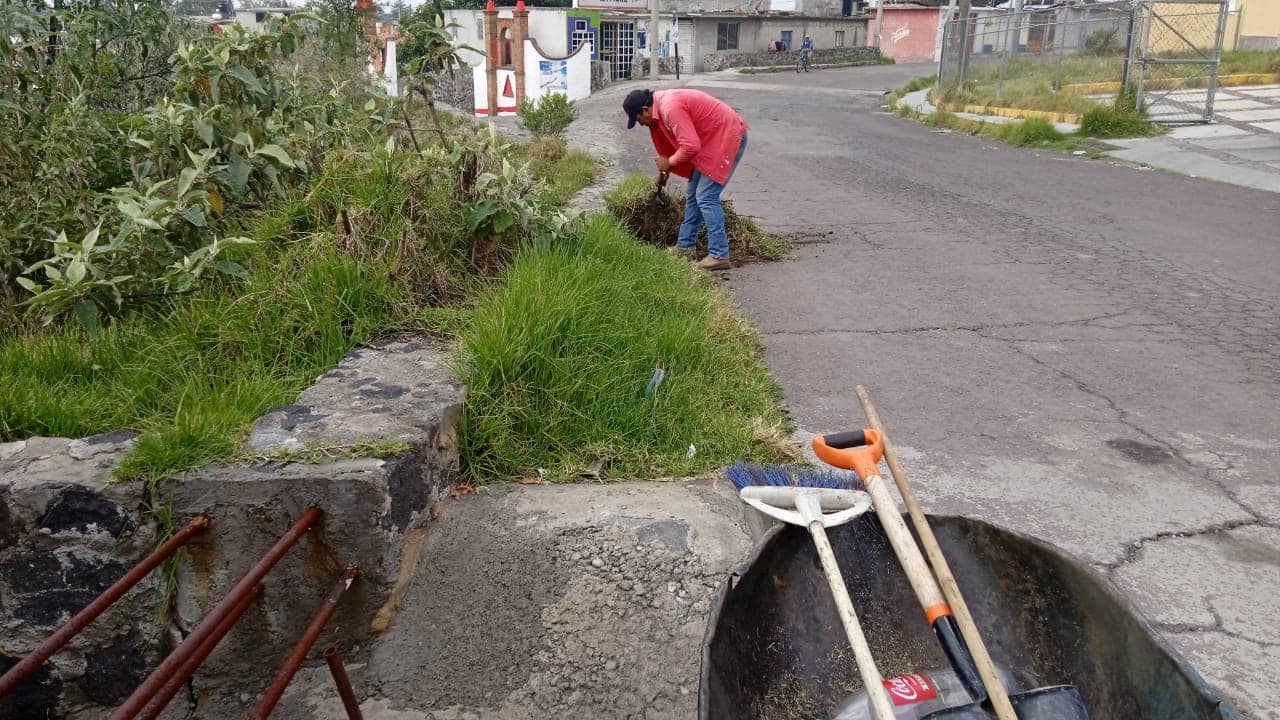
[
  {"x": 391, "y": 73},
  {"x": 470, "y": 31},
  {"x": 571, "y": 76},
  {"x": 549, "y": 26}
]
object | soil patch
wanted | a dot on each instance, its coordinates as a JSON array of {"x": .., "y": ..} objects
[{"x": 655, "y": 223}]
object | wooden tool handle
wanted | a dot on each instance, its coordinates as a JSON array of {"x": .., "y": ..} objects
[
  {"x": 872, "y": 680},
  {"x": 996, "y": 691}
]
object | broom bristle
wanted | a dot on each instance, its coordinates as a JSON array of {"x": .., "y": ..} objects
[{"x": 743, "y": 474}]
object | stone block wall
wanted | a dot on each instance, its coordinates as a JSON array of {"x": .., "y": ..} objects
[
  {"x": 66, "y": 535},
  {"x": 666, "y": 66},
  {"x": 457, "y": 91},
  {"x": 601, "y": 75},
  {"x": 377, "y": 506},
  {"x": 373, "y": 443},
  {"x": 725, "y": 60}
]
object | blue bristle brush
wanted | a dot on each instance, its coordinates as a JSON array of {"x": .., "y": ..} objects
[{"x": 744, "y": 474}]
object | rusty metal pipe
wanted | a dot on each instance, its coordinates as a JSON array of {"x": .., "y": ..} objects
[
  {"x": 299, "y": 653},
  {"x": 63, "y": 635},
  {"x": 149, "y": 687},
  {"x": 339, "y": 673},
  {"x": 161, "y": 699}
]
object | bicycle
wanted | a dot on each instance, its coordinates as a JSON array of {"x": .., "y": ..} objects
[{"x": 802, "y": 62}]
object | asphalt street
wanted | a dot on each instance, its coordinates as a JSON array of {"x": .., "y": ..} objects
[{"x": 1080, "y": 350}]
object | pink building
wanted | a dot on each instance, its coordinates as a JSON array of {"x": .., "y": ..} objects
[{"x": 912, "y": 33}]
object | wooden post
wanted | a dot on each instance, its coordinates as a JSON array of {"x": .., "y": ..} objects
[{"x": 653, "y": 39}]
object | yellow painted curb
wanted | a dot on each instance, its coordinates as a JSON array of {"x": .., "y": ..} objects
[
  {"x": 1106, "y": 88},
  {"x": 1013, "y": 112}
]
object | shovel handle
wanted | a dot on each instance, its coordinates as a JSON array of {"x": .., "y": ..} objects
[
  {"x": 860, "y": 451},
  {"x": 662, "y": 179},
  {"x": 856, "y": 450}
]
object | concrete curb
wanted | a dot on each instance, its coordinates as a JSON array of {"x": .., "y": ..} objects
[
  {"x": 1100, "y": 88},
  {"x": 918, "y": 101},
  {"x": 1014, "y": 113}
]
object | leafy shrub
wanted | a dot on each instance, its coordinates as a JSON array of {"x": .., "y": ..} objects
[
  {"x": 142, "y": 202},
  {"x": 1112, "y": 123},
  {"x": 1103, "y": 43},
  {"x": 1032, "y": 131},
  {"x": 548, "y": 116}
]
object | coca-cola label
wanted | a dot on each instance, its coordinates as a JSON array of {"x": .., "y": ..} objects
[{"x": 910, "y": 689}]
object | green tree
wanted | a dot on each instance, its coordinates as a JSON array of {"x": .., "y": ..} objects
[
  {"x": 430, "y": 52},
  {"x": 340, "y": 32}
]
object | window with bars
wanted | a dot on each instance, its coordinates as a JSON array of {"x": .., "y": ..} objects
[
  {"x": 727, "y": 36},
  {"x": 839, "y": 38},
  {"x": 581, "y": 34}
]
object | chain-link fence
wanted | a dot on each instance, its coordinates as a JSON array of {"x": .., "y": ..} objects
[
  {"x": 1177, "y": 54},
  {"x": 1073, "y": 57}
]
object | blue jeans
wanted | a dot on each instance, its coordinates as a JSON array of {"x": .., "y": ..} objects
[{"x": 702, "y": 207}]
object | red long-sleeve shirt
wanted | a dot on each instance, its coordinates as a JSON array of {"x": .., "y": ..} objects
[{"x": 696, "y": 131}]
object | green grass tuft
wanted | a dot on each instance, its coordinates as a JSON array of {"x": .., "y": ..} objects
[
  {"x": 1111, "y": 123},
  {"x": 193, "y": 379},
  {"x": 1032, "y": 131},
  {"x": 558, "y": 359}
]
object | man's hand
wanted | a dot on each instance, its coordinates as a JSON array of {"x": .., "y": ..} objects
[{"x": 664, "y": 164}]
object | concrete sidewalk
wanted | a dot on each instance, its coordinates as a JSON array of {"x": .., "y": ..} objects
[{"x": 1241, "y": 147}]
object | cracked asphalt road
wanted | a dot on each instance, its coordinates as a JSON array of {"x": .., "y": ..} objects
[{"x": 1078, "y": 350}]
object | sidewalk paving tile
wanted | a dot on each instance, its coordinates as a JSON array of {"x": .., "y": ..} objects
[
  {"x": 1264, "y": 154},
  {"x": 1191, "y": 132},
  {"x": 1240, "y": 142},
  {"x": 1181, "y": 95},
  {"x": 1266, "y": 92},
  {"x": 1271, "y": 113},
  {"x": 1234, "y": 104}
]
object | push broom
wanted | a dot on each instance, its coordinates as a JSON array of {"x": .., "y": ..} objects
[{"x": 817, "y": 501}]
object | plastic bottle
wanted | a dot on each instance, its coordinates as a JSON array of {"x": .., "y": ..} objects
[{"x": 914, "y": 696}]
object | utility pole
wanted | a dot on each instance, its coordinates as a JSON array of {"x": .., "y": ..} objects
[
  {"x": 879, "y": 21},
  {"x": 1016, "y": 22},
  {"x": 964, "y": 41},
  {"x": 653, "y": 40}
]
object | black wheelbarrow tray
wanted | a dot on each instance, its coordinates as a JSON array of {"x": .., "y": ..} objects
[{"x": 774, "y": 648}]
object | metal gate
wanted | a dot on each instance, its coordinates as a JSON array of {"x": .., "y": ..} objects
[
  {"x": 618, "y": 48},
  {"x": 1174, "y": 59},
  {"x": 687, "y": 52}
]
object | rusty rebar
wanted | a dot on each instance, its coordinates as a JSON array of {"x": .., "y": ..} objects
[
  {"x": 165, "y": 694},
  {"x": 156, "y": 680},
  {"x": 299, "y": 653},
  {"x": 75, "y": 625},
  {"x": 339, "y": 673}
]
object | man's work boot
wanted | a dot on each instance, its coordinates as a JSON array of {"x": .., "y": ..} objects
[
  {"x": 711, "y": 262},
  {"x": 687, "y": 253}
]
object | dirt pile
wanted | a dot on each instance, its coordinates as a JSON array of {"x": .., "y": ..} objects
[{"x": 634, "y": 204}]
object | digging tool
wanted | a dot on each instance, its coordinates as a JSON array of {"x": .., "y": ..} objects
[
  {"x": 996, "y": 691},
  {"x": 659, "y": 193},
  {"x": 818, "y": 508},
  {"x": 860, "y": 451}
]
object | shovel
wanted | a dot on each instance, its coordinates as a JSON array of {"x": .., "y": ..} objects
[
  {"x": 808, "y": 507},
  {"x": 659, "y": 193},
  {"x": 860, "y": 451}
]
